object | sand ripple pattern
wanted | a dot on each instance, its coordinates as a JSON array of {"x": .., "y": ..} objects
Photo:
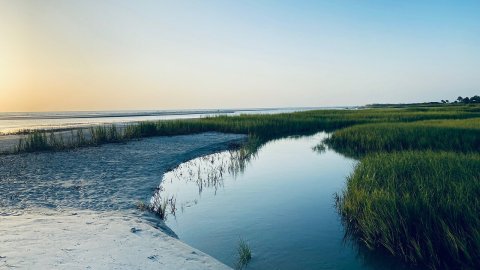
[{"x": 109, "y": 177}]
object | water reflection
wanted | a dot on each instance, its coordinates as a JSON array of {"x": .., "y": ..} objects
[
  {"x": 205, "y": 172},
  {"x": 283, "y": 205}
]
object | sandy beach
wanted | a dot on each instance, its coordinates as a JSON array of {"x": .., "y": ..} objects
[
  {"x": 76, "y": 209},
  {"x": 92, "y": 240}
]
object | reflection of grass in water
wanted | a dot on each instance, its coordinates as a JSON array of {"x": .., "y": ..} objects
[
  {"x": 160, "y": 206},
  {"x": 244, "y": 254},
  {"x": 421, "y": 207},
  {"x": 422, "y": 212},
  {"x": 263, "y": 127},
  {"x": 206, "y": 172},
  {"x": 320, "y": 148},
  {"x": 209, "y": 171}
]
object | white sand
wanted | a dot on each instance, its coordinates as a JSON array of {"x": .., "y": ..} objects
[
  {"x": 75, "y": 209},
  {"x": 92, "y": 240}
]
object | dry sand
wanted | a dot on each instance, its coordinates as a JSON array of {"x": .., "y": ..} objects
[
  {"x": 92, "y": 240},
  {"x": 76, "y": 209}
]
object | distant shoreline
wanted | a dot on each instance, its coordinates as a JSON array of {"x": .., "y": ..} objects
[
  {"x": 21, "y": 123},
  {"x": 138, "y": 113}
]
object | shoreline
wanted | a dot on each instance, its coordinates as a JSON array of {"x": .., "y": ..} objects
[
  {"x": 74, "y": 215},
  {"x": 21, "y": 123},
  {"x": 93, "y": 240}
]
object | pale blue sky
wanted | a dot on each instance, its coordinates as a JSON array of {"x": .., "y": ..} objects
[{"x": 94, "y": 55}]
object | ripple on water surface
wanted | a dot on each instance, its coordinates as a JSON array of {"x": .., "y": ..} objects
[{"x": 281, "y": 201}]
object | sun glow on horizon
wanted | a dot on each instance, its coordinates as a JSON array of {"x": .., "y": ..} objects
[{"x": 112, "y": 55}]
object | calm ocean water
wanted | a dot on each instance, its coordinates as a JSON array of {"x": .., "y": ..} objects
[{"x": 14, "y": 122}]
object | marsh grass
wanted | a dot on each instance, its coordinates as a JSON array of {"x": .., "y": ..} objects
[
  {"x": 34, "y": 142},
  {"x": 447, "y": 135},
  {"x": 244, "y": 254},
  {"x": 104, "y": 134},
  {"x": 159, "y": 205},
  {"x": 142, "y": 206},
  {"x": 78, "y": 139},
  {"x": 261, "y": 127},
  {"x": 160, "y": 208},
  {"x": 421, "y": 207}
]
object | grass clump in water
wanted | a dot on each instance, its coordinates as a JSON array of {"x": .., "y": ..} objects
[
  {"x": 157, "y": 207},
  {"x": 421, "y": 207},
  {"x": 244, "y": 254}
]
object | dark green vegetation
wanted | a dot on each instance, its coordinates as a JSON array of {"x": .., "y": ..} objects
[
  {"x": 159, "y": 206},
  {"x": 459, "y": 101},
  {"x": 49, "y": 141},
  {"x": 422, "y": 207},
  {"x": 447, "y": 135},
  {"x": 263, "y": 127},
  {"x": 244, "y": 254},
  {"x": 466, "y": 100},
  {"x": 415, "y": 193}
]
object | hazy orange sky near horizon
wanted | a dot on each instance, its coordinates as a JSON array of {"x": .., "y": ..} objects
[{"x": 114, "y": 55}]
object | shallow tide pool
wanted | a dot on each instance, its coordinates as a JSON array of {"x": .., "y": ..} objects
[{"x": 280, "y": 201}]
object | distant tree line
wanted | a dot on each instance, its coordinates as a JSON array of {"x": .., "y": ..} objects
[{"x": 466, "y": 100}]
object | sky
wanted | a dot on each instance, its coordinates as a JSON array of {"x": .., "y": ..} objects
[{"x": 135, "y": 55}]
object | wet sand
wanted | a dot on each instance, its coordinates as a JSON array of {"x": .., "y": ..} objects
[{"x": 74, "y": 209}]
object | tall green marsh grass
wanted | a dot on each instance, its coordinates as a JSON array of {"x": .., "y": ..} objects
[
  {"x": 422, "y": 207},
  {"x": 447, "y": 135},
  {"x": 410, "y": 198},
  {"x": 34, "y": 142},
  {"x": 263, "y": 127}
]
